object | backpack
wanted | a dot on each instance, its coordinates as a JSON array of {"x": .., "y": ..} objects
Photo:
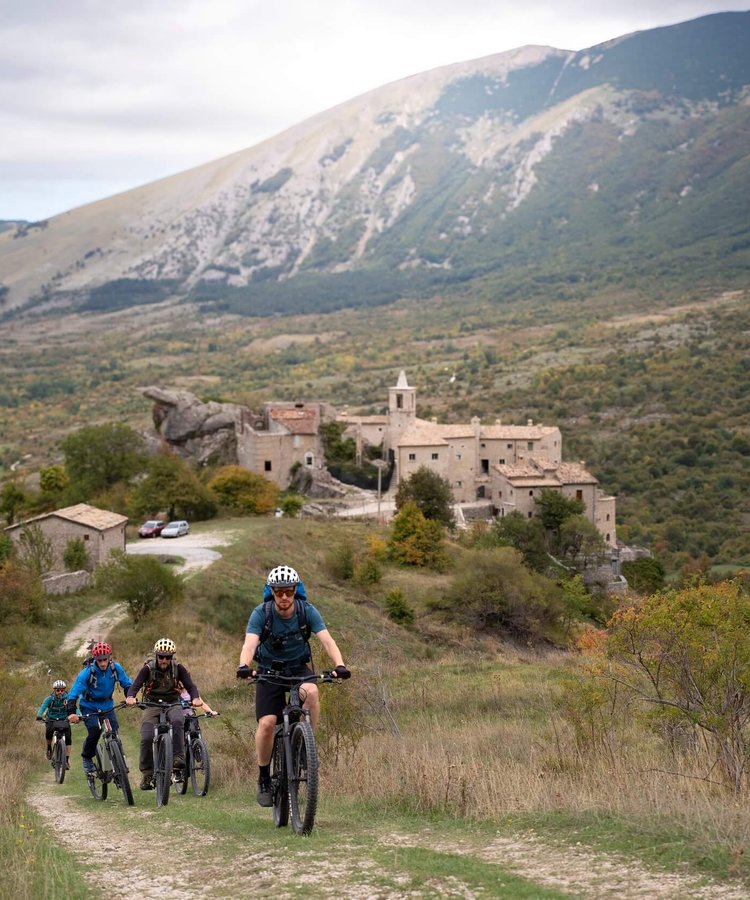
[
  {"x": 300, "y": 607},
  {"x": 151, "y": 663},
  {"x": 89, "y": 662}
]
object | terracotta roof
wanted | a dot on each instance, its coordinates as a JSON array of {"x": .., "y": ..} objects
[
  {"x": 545, "y": 474},
  {"x": 296, "y": 420},
  {"x": 517, "y": 432}
]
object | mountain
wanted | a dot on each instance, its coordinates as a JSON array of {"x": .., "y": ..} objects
[{"x": 528, "y": 172}]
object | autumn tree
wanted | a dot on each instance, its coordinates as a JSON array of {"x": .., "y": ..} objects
[
  {"x": 171, "y": 485},
  {"x": 431, "y": 493},
  {"x": 244, "y": 492}
]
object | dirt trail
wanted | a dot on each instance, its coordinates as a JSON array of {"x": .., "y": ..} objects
[{"x": 117, "y": 864}]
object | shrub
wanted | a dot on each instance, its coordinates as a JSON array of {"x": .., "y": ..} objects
[
  {"x": 75, "y": 556},
  {"x": 243, "y": 491},
  {"x": 142, "y": 582},
  {"x": 21, "y": 593},
  {"x": 417, "y": 541},
  {"x": 36, "y": 551},
  {"x": 432, "y": 494},
  {"x": 398, "y": 608}
]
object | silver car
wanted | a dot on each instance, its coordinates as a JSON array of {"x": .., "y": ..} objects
[{"x": 175, "y": 529}]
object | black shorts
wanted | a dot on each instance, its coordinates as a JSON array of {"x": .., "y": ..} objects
[
  {"x": 270, "y": 699},
  {"x": 62, "y": 725}
]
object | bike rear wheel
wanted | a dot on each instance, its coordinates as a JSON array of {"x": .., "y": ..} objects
[
  {"x": 163, "y": 768},
  {"x": 181, "y": 784},
  {"x": 200, "y": 767},
  {"x": 96, "y": 783},
  {"x": 278, "y": 781},
  {"x": 303, "y": 788},
  {"x": 120, "y": 771},
  {"x": 59, "y": 759}
]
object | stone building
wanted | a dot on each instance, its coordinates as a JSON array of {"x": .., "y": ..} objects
[{"x": 102, "y": 532}]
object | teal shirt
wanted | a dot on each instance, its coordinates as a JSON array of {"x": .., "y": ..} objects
[
  {"x": 55, "y": 707},
  {"x": 285, "y": 643}
]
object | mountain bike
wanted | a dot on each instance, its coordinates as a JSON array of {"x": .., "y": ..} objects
[
  {"x": 163, "y": 748},
  {"x": 59, "y": 751},
  {"x": 197, "y": 759},
  {"x": 294, "y": 758},
  {"x": 109, "y": 760}
]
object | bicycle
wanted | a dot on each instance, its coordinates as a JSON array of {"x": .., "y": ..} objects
[
  {"x": 163, "y": 749},
  {"x": 197, "y": 759},
  {"x": 59, "y": 751},
  {"x": 109, "y": 760},
  {"x": 294, "y": 758}
]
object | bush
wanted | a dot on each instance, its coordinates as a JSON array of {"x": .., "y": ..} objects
[
  {"x": 417, "y": 541},
  {"x": 21, "y": 593},
  {"x": 75, "y": 556},
  {"x": 397, "y": 607},
  {"x": 142, "y": 582},
  {"x": 244, "y": 492}
]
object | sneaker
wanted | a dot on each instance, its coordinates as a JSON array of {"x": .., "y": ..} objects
[
  {"x": 49, "y": 752},
  {"x": 147, "y": 783},
  {"x": 178, "y": 762},
  {"x": 264, "y": 792},
  {"x": 88, "y": 766}
]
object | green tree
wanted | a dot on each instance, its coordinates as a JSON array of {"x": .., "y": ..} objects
[
  {"x": 526, "y": 535},
  {"x": 36, "y": 552},
  {"x": 243, "y": 491},
  {"x": 336, "y": 448},
  {"x": 291, "y": 504},
  {"x": 415, "y": 540},
  {"x": 555, "y": 508},
  {"x": 22, "y": 594},
  {"x": 580, "y": 543},
  {"x": 644, "y": 575},
  {"x": 143, "y": 583},
  {"x": 53, "y": 480},
  {"x": 75, "y": 556},
  {"x": 685, "y": 653},
  {"x": 432, "y": 494},
  {"x": 171, "y": 485},
  {"x": 98, "y": 456},
  {"x": 12, "y": 499}
]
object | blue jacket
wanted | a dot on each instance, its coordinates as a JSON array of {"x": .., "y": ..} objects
[{"x": 94, "y": 689}]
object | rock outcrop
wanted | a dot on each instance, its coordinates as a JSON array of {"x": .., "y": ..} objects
[{"x": 205, "y": 432}]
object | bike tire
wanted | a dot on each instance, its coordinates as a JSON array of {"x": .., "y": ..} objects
[
  {"x": 163, "y": 768},
  {"x": 59, "y": 759},
  {"x": 303, "y": 788},
  {"x": 182, "y": 784},
  {"x": 97, "y": 785},
  {"x": 120, "y": 771},
  {"x": 200, "y": 767},
  {"x": 278, "y": 781}
]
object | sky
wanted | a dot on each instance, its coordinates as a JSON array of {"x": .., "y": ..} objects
[{"x": 97, "y": 97}]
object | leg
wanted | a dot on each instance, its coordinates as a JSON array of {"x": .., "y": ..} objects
[
  {"x": 177, "y": 720},
  {"x": 264, "y": 739},
  {"x": 93, "y": 731},
  {"x": 146, "y": 761},
  {"x": 311, "y": 700}
]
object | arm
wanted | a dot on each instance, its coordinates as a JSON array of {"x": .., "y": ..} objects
[
  {"x": 44, "y": 707},
  {"x": 135, "y": 686},
  {"x": 249, "y": 648},
  {"x": 123, "y": 678},
  {"x": 330, "y": 647},
  {"x": 189, "y": 684}
]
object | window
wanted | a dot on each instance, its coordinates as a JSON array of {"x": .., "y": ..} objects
[
  {"x": 509, "y": 446},
  {"x": 457, "y": 484},
  {"x": 309, "y": 458},
  {"x": 530, "y": 514},
  {"x": 579, "y": 495},
  {"x": 501, "y": 461},
  {"x": 399, "y": 401},
  {"x": 458, "y": 456},
  {"x": 608, "y": 517},
  {"x": 530, "y": 445},
  {"x": 267, "y": 465},
  {"x": 485, "y": 466},
  {"x": 412, "y": 457},
  {"x": 531, "y": 492},
  {"x": 86, "y": 537},
  {"x": 434, "y": 455}
]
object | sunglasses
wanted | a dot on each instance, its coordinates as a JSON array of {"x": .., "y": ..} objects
[
  {"x": 164, "y": 656},
  {"x": 284, "y": 592}
]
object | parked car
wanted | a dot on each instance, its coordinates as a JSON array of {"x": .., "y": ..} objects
[
  {"x": 175, "y": 529},
  {"x": 152, "y": 528}
]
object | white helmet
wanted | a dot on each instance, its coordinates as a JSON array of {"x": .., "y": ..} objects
[
  {"x": 283, "y": 577},
  {"x": 59, "y": 684},
  {"x": 164, "y": 645}
]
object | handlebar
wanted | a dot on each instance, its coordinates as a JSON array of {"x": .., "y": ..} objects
[
  {"x": 273, "y": 677},
  {"x": 100, "y": 712}
]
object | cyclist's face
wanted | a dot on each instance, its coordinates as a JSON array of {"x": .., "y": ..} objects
[
  {"x": 163, "y": 660},
  {"x": 283, "y": 598},
  {"x": 59, "y": 690},
  {"x": 102, "y": 662}
]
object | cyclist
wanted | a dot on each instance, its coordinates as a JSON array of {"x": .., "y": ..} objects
[
  {"x": 93, "y": 691},
  {"x": 162, "y": 679},
  {"x": 54, "y": 711},
  {"x": 281, "y": 645}
]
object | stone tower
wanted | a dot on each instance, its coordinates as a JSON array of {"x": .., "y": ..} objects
[{"x": 402, "y": 409}]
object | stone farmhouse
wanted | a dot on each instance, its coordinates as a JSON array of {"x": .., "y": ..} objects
[{"x": 102, "y": 532}]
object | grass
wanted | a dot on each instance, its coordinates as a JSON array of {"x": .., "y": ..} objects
[{"x": 436, "y": 730}]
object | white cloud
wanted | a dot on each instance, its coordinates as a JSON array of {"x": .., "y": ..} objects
[{"x": 98, "y": 97}]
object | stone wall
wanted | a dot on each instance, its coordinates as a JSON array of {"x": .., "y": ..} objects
[{"x": 64, "y": 584}]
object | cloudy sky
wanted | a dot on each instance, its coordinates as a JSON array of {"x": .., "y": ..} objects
[{"x": 97, "y": 97}]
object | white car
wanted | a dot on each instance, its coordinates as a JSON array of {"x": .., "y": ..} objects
[{"x": 175, "y": 529}]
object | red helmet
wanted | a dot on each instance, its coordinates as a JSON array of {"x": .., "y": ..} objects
[{"x": 101, "y": 649}]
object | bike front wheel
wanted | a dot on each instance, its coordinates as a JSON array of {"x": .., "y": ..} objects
[
  {"x": 303, "y": 788},
  {"x": 59, "y": 759},
  {"x": 120, "y": 772},
  {"x": 278, "y": 781},
  {"x": 96, "y": 783},
  {"x": 200, "y": 767},
  {"x": 163, "y": 768}
]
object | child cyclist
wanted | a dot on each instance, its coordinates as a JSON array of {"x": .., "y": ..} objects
[{"x": 54, "y": 712}]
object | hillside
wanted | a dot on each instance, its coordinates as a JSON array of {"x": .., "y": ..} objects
[{"x": 529, "y": 173}]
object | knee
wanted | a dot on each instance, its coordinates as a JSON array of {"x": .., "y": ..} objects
[{"x": 311, "y": 695}]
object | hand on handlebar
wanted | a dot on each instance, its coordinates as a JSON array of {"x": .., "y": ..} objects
[
  {"x": 131, "y": 701},
  {"x": 341, "y": 672},
  {"x": 245, "y": 672}
]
